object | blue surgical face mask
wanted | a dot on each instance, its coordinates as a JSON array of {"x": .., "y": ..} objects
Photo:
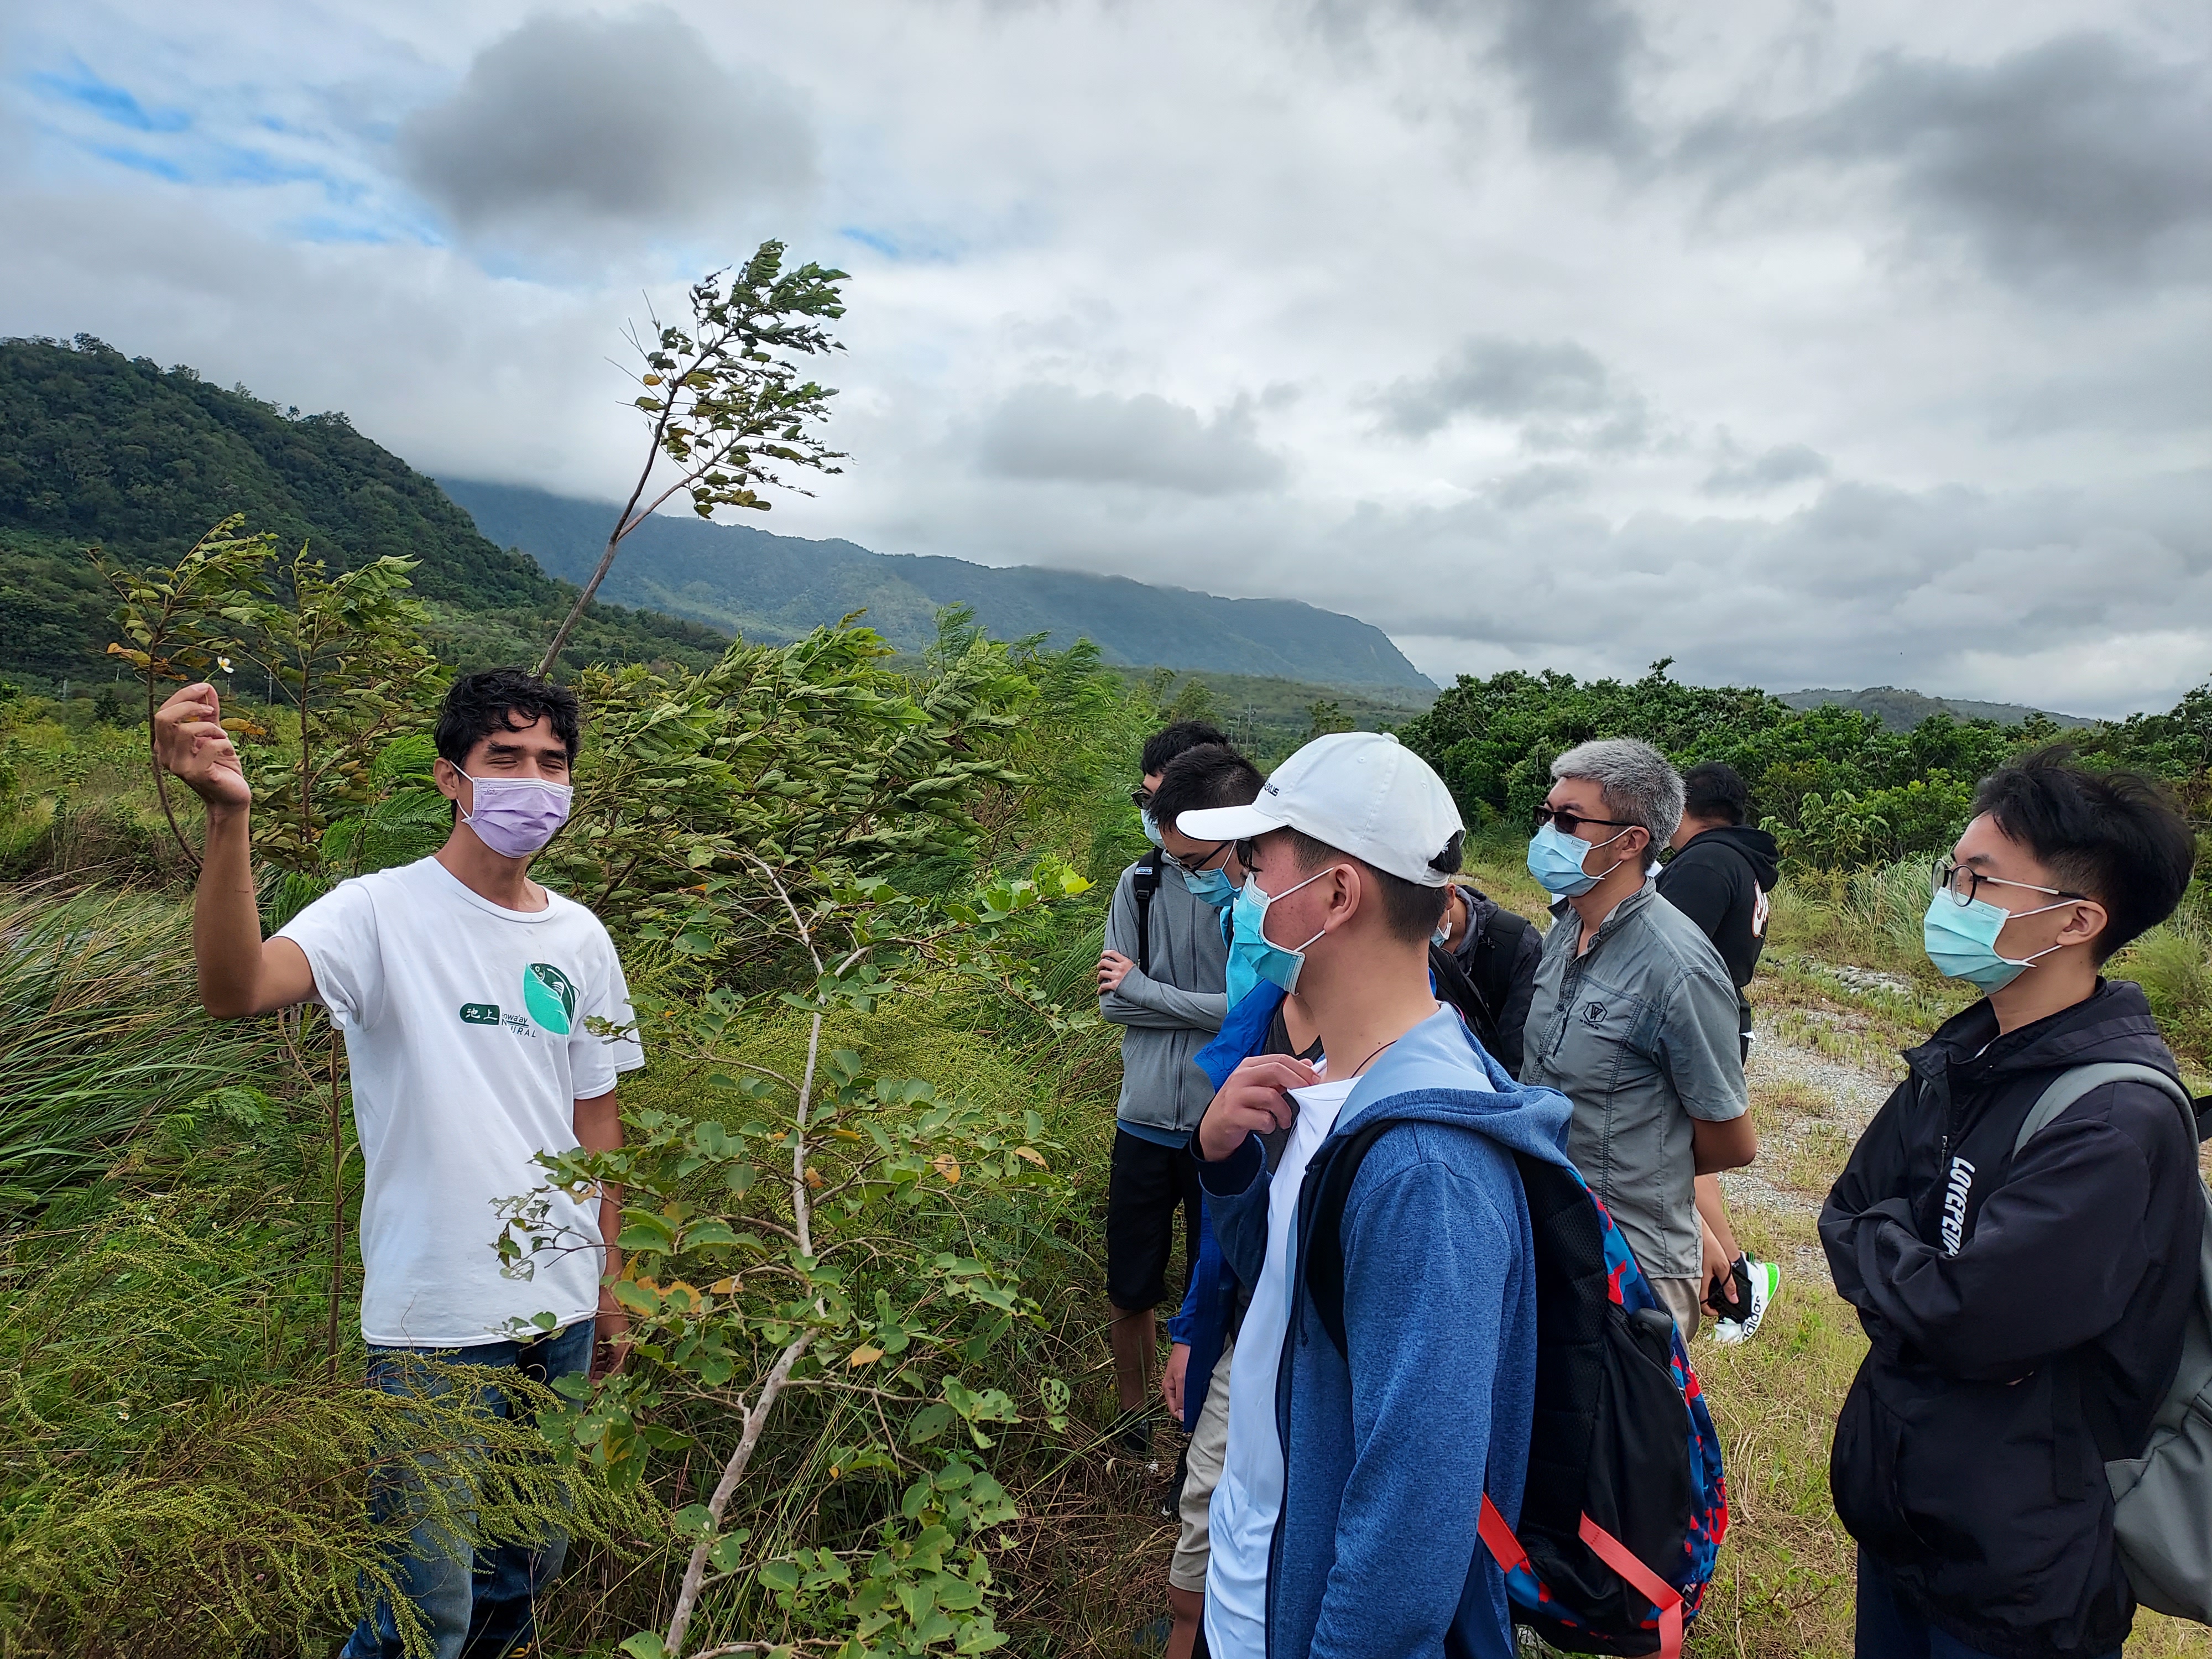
[
  {"x": 1961, "y": 940},
  {"x": 1151, "y": 826},
  {"x": 1251, "y": 958},
  {"x": 1556, "y": 860},
  {"x": 1212, "y": 885}
]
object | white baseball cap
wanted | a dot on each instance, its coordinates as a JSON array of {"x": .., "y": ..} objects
[{"x": 1363, "y": 792}]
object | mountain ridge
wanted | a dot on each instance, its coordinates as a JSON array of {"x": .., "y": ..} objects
[
  {"x": 1900, "y": 710},
  {"x": 772, "y": 587}
]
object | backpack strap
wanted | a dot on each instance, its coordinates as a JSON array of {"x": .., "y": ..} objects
[
  {"x": 1142, "y": 886},
  {"x": 1324, "y": 1266},
  {"x": 2070, "y": 1086}
]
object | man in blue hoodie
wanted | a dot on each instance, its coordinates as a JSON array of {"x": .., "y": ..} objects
[{"x": 1346, "y": 1519}]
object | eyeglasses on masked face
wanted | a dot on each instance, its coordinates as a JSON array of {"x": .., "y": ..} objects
[
  {"x": 1960, "y": 883},
  {"x": 1569, "y": 822},
  {"x": 1141, "y": 799},
  {"x": 1194, "y": 867}
]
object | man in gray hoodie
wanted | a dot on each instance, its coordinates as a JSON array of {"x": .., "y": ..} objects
[{"x": 1160, "y": 978}]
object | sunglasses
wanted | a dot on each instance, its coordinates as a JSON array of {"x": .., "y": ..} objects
[
  {"x": 1140, "y": 799},
  {"x": 1569, "y": 822}
]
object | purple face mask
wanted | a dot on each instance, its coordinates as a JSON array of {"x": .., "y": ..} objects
[{"x": 516, "y": 816}]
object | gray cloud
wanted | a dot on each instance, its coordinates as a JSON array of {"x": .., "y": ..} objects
[
  {"x": 1055, "y": 432},
  {"x": 1571, "y": 60},
  {"x": 1772, "y": 469},
  {"x": 1559, "y": 390},
  {"x": 2080, "y": 598},
  {"x": 1531, "y": 485},
  {"x": 571, "y": 124},
  {"x": 2078, "y": 158},
  {"x": 1571, "y": 63}
]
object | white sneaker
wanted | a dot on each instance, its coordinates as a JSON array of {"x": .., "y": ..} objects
[
  {"x": 1765, "y": 1285},
  {"x": 1728, "y": 1332}
]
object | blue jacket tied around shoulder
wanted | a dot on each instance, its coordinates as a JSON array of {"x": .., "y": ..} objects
[{"x": 1395, "y": 1440}]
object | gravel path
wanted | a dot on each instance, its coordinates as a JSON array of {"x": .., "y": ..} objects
[{"x": 1813, "y": 1108}]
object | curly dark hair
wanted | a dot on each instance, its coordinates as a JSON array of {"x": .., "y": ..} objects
[{"x": 504, "y": 700}]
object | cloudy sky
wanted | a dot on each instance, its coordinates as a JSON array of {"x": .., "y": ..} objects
[{"x": 1805, "y": 344}]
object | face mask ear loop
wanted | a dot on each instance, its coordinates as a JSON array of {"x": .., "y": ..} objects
[
  {"x": 1285, "y": 894},
  {"x": 2034, "y": 957}
]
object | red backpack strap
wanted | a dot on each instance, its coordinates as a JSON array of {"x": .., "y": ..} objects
[
  {"x": 1497, "y": 1538},
  {"x": 1648, "y": 1583}
]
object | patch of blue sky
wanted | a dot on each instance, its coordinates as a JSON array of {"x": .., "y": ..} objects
[
  {"x": 317, "y": 228},
  {"x": 233, "y": 164},
  {"x": 920, "y": 248},
  {"x": 139, "y": 161},
  {"x": 111, "y": 103}
]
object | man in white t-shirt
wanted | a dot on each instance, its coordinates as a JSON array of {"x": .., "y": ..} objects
[{"x": 468, "y": 996}]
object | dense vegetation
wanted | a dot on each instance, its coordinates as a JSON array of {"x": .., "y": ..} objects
[
  {"x": 1837, "y": 788},
  {"x": 98, "y": 449}
]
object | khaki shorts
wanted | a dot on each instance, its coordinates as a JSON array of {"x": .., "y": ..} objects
[
  {"x": 1209, "y": 1444},
  {"x": 1680, "y": 1296}
]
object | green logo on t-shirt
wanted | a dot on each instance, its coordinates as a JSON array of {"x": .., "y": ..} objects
[
  {"x": 550, "y": 996},
  {"x": 480, "y": 1013}
]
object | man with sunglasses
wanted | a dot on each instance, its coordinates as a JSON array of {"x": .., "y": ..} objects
[
  {"x": 1634, "y": 1019},
  {"x": 1161, "y": 979},
  {"x": 2025, "y": 1297}
]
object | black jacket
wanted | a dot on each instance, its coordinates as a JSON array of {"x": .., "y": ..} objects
[
  {"x": 1502, "y": 962},
  {"x": 2025, "y": 1318},
  {"x": 1710, "y": 881}
]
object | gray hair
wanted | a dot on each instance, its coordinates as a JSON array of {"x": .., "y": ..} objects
[{"x": 1640, "y": 786}]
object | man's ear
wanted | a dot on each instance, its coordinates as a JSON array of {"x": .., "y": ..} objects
[
  {"x": 447, "y": 777},
  {"x": 2087, "y": 924}
]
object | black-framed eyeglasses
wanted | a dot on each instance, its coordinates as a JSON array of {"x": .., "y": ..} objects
[
  {"x": 1189, "y": 868},
  {"x": 1961, "y": 883},
  {"x": 1141, "y": 799},
  {"x": 1567, "y": 821}
]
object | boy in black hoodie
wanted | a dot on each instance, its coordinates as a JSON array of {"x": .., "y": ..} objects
[
  {"x": 1721, "y": 873},
  {"x": 2025, "y": 1312}
]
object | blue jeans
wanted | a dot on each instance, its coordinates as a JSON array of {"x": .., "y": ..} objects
[
  {"x": 480, "y": 1602},
  {"x": 1887, "y": 1629}
]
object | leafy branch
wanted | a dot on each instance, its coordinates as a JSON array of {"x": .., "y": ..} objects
[{"x": 723, "y": 401}]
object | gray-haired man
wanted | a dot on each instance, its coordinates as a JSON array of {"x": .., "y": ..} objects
[{"x": 1634, "y": 1019}]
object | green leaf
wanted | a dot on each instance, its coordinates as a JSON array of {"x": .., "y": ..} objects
[
  {"x": 928, "y": 1423},
  {"x": 779, "y": 1576},
  {"x": 645, "y": 1644}
]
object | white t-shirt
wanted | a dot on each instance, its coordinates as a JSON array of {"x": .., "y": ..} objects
[
  {"x": 466, "y": 1028},
  {"x": 1249, "y": 1494}
]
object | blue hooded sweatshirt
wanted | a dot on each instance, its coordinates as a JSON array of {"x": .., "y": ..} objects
[{"x": 1388, "y": 1447}]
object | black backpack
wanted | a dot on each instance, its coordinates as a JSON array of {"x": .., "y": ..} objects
[{"x": 1623, "y": 1508}]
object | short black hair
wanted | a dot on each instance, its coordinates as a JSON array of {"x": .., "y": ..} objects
[
  {"x": 1211, "y": 774},
  {"x": 1164, "y": 744},
  {"x": 2115, "y": 836},
  {"x": 504, "y": 700},
  {"x": 1714, "y": 789},
  {"x": 1411, "y": 908}
]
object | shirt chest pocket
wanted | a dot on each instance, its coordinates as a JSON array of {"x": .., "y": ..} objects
[{"x": 1606, "y": 1035}]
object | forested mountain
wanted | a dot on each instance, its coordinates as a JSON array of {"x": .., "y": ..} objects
[
  {"x": 98, "y": 449},
  {"x": 774, "y": 587},
  {"x": 1900, "y": 710}
]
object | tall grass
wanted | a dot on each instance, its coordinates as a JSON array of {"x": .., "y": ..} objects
[{"x": 99, "y": 1031}]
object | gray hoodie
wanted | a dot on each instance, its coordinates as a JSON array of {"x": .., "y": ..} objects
[{"x": 1171, "y": 1013}]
